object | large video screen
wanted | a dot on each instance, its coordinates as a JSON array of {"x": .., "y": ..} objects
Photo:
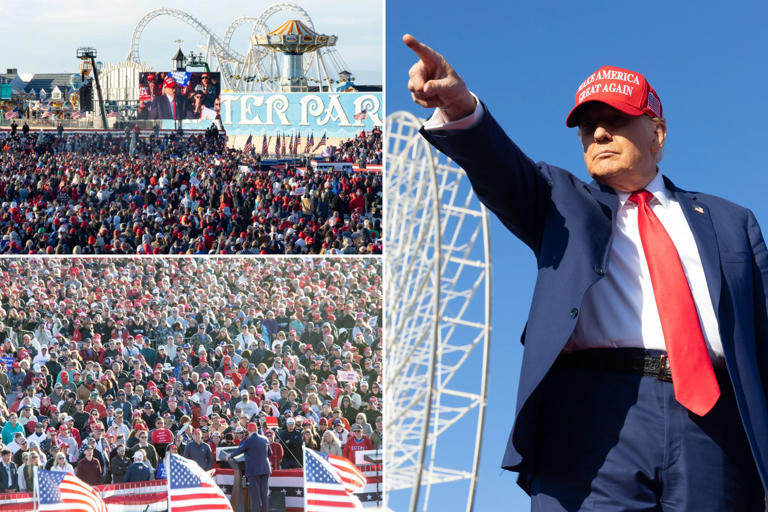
[{"x": 179, "y": 95}]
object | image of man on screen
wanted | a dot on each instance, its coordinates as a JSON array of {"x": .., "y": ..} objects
[
  {"x": 209, "y": 89},
  {"x": 169, "y": 105}
]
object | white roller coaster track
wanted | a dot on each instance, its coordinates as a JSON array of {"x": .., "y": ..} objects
[{"x": 258, "y": 68}]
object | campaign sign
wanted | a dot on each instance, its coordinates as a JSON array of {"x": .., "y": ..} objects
[
  {"x": 367, "y": 457},
  {"x": 342, "y": 376}
]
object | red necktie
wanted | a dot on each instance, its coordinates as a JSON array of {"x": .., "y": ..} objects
[
  {"x": 693, "y": 377},
  {"x": 173, "y": 107}
]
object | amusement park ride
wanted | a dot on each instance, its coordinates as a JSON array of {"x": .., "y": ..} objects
[
  {"x": 437, "y": 326},
  {"x": 309, "y": 59}
]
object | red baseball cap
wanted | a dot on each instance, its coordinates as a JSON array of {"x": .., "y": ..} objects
[
  {"x": 169, "y": 82},
  {"x": 622, "y": 89},
  {"x": 252, "y": 427}
]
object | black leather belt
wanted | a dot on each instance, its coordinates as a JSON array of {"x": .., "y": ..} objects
[{"x": 637, "y": 361}]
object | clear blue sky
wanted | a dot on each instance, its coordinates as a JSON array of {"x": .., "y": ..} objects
[{"x": 525, "y": 60}]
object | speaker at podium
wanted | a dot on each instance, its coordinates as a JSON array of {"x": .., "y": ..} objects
[{"x": 240, "y": 497}]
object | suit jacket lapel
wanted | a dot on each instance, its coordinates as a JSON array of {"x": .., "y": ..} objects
[
  {"x": 604, "y": 195},
  {"x": 601, "y": 224},
  {"x": 700, "y": 221}
]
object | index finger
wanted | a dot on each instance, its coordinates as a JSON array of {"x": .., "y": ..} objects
[{"x": 425, "y": 53}]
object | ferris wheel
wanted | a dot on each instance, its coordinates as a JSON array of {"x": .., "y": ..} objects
[{"x": 437, "y": 322}]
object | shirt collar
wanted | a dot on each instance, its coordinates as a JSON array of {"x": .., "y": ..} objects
[{"x": 655, "y": 187}]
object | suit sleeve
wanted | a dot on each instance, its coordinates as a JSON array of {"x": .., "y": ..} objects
[
  {"x": 509, "y": 183},
  {"x": 240, "y": 449},
  {"x": 154, "y": 110},
  {"x": 760, "y": 287}
]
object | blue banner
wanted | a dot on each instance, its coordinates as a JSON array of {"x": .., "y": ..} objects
[
  {"x": 161, "y": 473},
  {"x": 181, "y": 77},
  {"x": 7, "y": 360},
  {"x": 342, "y": 114}
]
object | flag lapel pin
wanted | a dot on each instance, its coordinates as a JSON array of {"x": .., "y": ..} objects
[{"x": 698, "y": 209}]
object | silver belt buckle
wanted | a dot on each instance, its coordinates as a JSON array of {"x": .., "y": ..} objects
[{"x": 665, "y": 373}]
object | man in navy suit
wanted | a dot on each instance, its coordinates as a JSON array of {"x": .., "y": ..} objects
[
  {"x": 8, "y": 477},
  {"x": 645, "y": 368},
  {"x": 257, "y": 452},
  {"x": 170, "y": 104}
]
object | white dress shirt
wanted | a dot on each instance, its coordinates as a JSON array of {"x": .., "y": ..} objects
[
  {"x": 171, "y": 99},
  {"x": 620, "y": 309}
]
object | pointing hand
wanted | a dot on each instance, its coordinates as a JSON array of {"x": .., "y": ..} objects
[{"x": 434, "y": 84}]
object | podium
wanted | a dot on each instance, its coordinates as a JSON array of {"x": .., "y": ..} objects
[{"x": 240, "y": 501}]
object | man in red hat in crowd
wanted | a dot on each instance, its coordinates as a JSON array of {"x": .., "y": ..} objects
[
  {"x": 199, "y": 451},
  {"x": 644, "y": 377}
]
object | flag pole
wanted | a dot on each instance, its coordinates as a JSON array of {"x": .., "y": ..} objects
[
  {"x": 168, "y": 478},
  {"x": 35, "y": 489},
  {"x": 304, "y": 474}
]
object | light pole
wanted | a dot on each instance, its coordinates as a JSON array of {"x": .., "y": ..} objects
[{"x": 86, "y": 53}]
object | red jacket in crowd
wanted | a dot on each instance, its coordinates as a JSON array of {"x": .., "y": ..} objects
[{"x": 353, "y": 446}]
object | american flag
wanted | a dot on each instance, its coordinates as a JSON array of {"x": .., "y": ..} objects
[
  {"x": 351, "y": 477},
  {"x": 13, "y": 114},
  {"x": 310, "y": 142},
  {"x": 284, "y": 149},
  {"x": 654, "y": 104},
  {"x": 297, "y": 144},
  {"x": 78, "y": 115},
  {"x": 321, "y": 143},
  {"x": 289, "y": 150},
  {"x": 114, "y": 114},
  {"x": 361, "y": 115},
  {"x": 248, "y": 144},
  {"x": 277, "y": 147},
  {"x": 190, "y": 489},
  {"x": 265, "y": 146},
  {"x": 324, "y": 489},
  {"x": 48, "y": 113},
  {"x": 64, "y": 491}
]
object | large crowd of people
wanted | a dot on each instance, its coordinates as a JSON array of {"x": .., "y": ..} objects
[
  {"x": 363, "y": 150},
  {"x": 107, "y": 364},
  {"x": 177, "y": 194}
]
